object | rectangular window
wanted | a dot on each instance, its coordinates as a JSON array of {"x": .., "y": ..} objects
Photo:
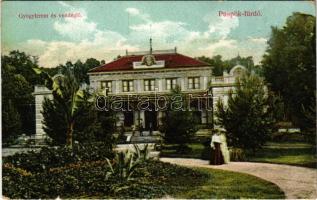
[
  {"x": 171, "y": 83},
  {"x": 149, "y": 85},
  {"x": 127, "y": 86},
  {"x": 193, "y": 83},
  {"x": 106, "y": 85}
]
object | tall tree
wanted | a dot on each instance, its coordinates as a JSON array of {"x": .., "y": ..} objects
[
  {"x": 179, "y": 124},
  {"x": 248, "y": 116},
  {"x": 17, "y": 99},
  {"x": 216, "y": 62},
  {"x": 23, "y": 65},
  {"x": 90, "y": 125},
  {"x": 289, "y": 66},
  {"x": 11, "y": 123},
  {"x": 66, "y": 90},
  {"x": 219, "y": 65}
]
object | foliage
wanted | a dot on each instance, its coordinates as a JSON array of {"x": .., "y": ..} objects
[
  {"x": 18, "y": 80},
  {"x": 17, "y": 100},
  {"x": 123, "y": 166},
  {"x": 286, "y": 152},
  {"x": 220, "y": 66},
  {"x": 23, "y": 65},
  {"x": 79, "y": 68},
  {"x": 11, "y": 123},
  {"x": 247, "y": 118},
  {"x": 67, "y": 94},
  {"x": 197, "y": 150},
  {"x": 237, "y": 154},
  {"x": 179, "y": 125},
  {"x": 75, "y": 179},
  {"x": 153, "y": 179},
  {"x": 289, "y": 66},
  {"x": 82, "y": 179},
  {"x": 91, "y": 125},
  {"x": 150, "y": 179},
  {"x": 224, "y": 184},
  {"x": 48, "y": 158},
  {"x": 72, "y": 112},
  {"x": 141, "y": 154}
]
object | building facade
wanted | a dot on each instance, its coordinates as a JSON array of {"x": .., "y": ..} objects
[
  {"x": 147, "y": 76},
  {"x": 153, "y": 74}
]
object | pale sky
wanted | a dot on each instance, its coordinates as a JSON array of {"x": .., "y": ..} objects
[{"x": 107, "y": 29}]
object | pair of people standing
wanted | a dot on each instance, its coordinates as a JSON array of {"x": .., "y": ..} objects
[
  {"x": 219, "y": 149},
  {"x": 141, "y": 129}
]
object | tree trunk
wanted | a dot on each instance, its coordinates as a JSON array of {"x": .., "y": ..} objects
[{"x": 69, "y": 136}]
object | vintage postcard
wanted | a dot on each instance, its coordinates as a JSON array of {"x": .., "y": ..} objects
[{"x": 158, "y": 99}]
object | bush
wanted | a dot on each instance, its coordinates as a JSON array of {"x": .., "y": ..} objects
[
  {"x": 86, "y": 178},
  {"x": 248, "y": 116},
  {"x": 152, "y": 179},
  {"x": 60, "y": 156},
  {"x": 206, "y": 152},
  {"x": 237, "y": 154},
  {"x": 179, "y": 126}
]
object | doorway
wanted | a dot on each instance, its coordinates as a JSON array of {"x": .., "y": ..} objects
[
  {"x": 128, "y": 118},
  {"x": 150, "y": 120}
]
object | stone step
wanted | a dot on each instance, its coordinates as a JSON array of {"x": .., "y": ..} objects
[
  {"x": 145, "y": 139},
  {"x": 203, "y": 132}
]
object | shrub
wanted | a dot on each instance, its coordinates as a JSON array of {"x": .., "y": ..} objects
[
  {"x": 60, "y": 156},
  {"x": 247, "y": 117},
  {"x": 86, "y": 171},
  {"x": 206, "y": 152},
  {"x": 151, "y": 179},
  {"x": 85, "y": 178},
  {"x": 179, "y": 125},
  {"x": 141, "y": 154},
  {"x": 122, "y": 166},
  {"x": 237, "y": 154}
]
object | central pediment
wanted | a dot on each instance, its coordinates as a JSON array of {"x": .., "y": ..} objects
[{"x": 148, "y": 62}]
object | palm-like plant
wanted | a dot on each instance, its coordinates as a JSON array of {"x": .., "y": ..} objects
[
  {"x": 141, "y": 154},
  {"x": 123, "y": 166},
  {"x": 65, "y": 88}
]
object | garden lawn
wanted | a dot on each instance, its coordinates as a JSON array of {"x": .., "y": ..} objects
[
  {"x": 291, "y": 153},
  {"x": 170, "y": 151},
  {"x": 231, "y": 185},
  {"x": 151, "y": 179}
]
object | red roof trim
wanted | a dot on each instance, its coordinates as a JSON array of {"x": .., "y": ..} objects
[{"x": 174, "y": 60}]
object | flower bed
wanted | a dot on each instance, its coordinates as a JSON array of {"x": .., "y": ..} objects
[{"x": 152, "y": 179}]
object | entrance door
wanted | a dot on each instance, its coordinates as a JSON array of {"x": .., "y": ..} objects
[
  {"x": 150, "y": 119},
  {"x": 197, "y": 116},
  {"x": 128, "y": 118}
]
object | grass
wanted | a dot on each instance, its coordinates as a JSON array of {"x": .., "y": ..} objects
[
  {"x": 195, "y": 183},
  {"x": 170, "y": 151},
  {"x": 290, "y": 153},
  {"x": 231, "y": 185}
]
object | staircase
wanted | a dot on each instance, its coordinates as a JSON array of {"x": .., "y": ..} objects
[
  {"x": 146, "y": 137},
  {"x": 203, "y": 132}
]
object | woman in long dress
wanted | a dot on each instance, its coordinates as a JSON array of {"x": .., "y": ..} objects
[{"x": 220, "y": 152}]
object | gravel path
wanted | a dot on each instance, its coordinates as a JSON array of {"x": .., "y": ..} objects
[{"x": 296, "y": 182}]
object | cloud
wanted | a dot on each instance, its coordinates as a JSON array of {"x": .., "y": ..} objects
[
  {"x": 136, "y": 12},
  {"x": 223, "y": 47},
  {"x": 161, "y": 32},
  {"x": 220, "y": 27},
  {"x": 53, "y": 53},
  {"x": 133, "y": 11},
  {"x": 75, "y": 28},
  {"x": 258, "y": 40},
  {"x": 83, "y": 39},
  {"x": 64, "y": 4}
]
